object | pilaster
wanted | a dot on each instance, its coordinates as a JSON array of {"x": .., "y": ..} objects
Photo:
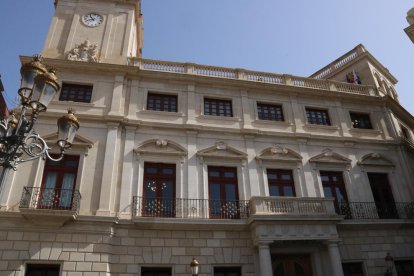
[
  {"x": 117, "y": 97},
  {"x": 127, "y": 173},
  {"x": 108, "y": 173}
]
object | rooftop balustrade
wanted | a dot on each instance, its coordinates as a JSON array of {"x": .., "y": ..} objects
[{"x": 262, "y": 77}]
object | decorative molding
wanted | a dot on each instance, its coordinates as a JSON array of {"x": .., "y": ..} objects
[
  {"x": 79, "y": 140},
  {"x": 374, "y": 160},
  {"x": 330, "y": 157},
  {"x": 278, "y": 153},
  {"x": 222, "y": 150},
  {"x": 160, "y": 147},
  {"x": 84, "y": 52}
]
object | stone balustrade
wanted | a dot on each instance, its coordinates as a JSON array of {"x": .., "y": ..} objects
[
  {"x": 340, "y": 62},
  {"x": 292, "y": 206},
  {"x": 314, "y": 82}
]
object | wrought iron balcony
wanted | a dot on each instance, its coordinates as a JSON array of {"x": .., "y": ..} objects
[
  {"x": 50, "y": 199},
  {"x": 190, "y": 208},
  {"x": 373, "y": 210}
]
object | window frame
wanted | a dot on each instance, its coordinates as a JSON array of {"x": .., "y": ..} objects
[
  {"x": 30, "y": 266},
  {"x": 353, "y": 114},
  {"x": 260, "y": 105},
  {"x": 162, "y": 104},
  {"x": 217, "y": 101},
  {"x": 400, "y": 261},
  {"x": 60, "y": 170},
  {"x": 320, "y": 110},
  {"x": 227, "y": 269},
  {"x": 78, "y": 86},
  {"x": 156, "y": 270},
  {"x": 280, "y": 183},
  {"x": 332, "y": 184}
]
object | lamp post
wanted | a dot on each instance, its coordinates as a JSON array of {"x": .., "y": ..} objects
[
  {"x": 194, "y": 266},
  {"x": 389, "y": 263},
  {"x": 19, "y": 142}
]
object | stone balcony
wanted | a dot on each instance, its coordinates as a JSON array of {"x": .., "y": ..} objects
[{"x": 252, "y": 76}]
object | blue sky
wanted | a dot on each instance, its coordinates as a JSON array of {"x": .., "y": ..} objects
[{"x": 288, "y": 37}]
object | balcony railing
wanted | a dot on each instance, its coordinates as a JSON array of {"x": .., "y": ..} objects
[
  {"x": 190, "y": 208},
  {"x": 292, "y": 206},
  {"x": 316, "y": 81},
  {"x": 372, "y": 210},
  {"x": 50, "y": 199}
]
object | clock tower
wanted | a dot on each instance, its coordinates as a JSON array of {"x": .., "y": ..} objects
[{"x": 106, "y": 31}]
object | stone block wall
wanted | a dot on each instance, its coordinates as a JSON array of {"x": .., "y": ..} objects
[
  {"x": 370, "y": 246},
  {"x": 101, "y": 250}
]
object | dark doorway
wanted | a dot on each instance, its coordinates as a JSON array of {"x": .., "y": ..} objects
[
  {"x": 384, "y": 200},
  {"x": 291, "y": 265}
]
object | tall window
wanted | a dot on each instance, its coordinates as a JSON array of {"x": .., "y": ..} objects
[
  {"x": 227, "y": 271},
  {"x": 384, "y": 200},
  {"x": 217, "y": 107},
  {"x": 404, "y": 132},
  {"x": 269, "y": 112},
  {"x": 333, "y": 186},
  {"x": 224, "y": 194},
  {"x": 162, "y": 102},
  {"x": 360, "y": 120},
  {"x": 353, "y": 269},
  {"x": 76, "y": 93},
  {"x": 42, "y": 270},
  {"x": 318, "y": 116},
  {"x": 159, "y": 271},
  {"x": 280, "y": 182},
  {"x": 58, "y": 184},
  {"x": 159, "y": 190}
]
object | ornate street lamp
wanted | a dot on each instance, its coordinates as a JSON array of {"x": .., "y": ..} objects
[
  {"x": 194, "y": 266},
  {"x": 18, "y": 140},
  {"x": 389, "y": 264}
]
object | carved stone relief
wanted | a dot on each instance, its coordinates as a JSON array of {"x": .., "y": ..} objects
[{"x": 84, "y": 52}]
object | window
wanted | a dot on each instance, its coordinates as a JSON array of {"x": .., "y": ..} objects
[
  {"x": 280, "y": 183},
  {"x": 317, "y": 117},
  {"x": 360, "y": 120},
  {"x": 224, "y": 194},
  {"x": 404, "y": 132},
  {"x": 333, "y": 186},
  {"x": 353, "y": 269},
  {"x": 218, "y": 107},
  {"x": 159, "y": 190},
  {"x": 404, "y": 267},
  {"x": 58, "y": 183},
  {"x": 269, "y": 112},
  {"x": 42, "y": 270},
  {"x": 149, "y": 271},
  {"x": 227, "y": 271},
  {"x": 162, "y": 102},
  {"x": 76, "y": 93}
]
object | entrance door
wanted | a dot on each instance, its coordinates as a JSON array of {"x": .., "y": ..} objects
[
  {"x": 223, "y": 192},
  {"x": 333, "y": 186},
  {"x": 291, "y": 265},
  {"x": 384, "y": 200}
]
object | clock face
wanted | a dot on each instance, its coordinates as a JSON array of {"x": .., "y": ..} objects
[{"x": 92, "y": 19}]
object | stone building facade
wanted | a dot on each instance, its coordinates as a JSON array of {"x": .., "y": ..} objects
[{"x": 251, "y": 173}]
